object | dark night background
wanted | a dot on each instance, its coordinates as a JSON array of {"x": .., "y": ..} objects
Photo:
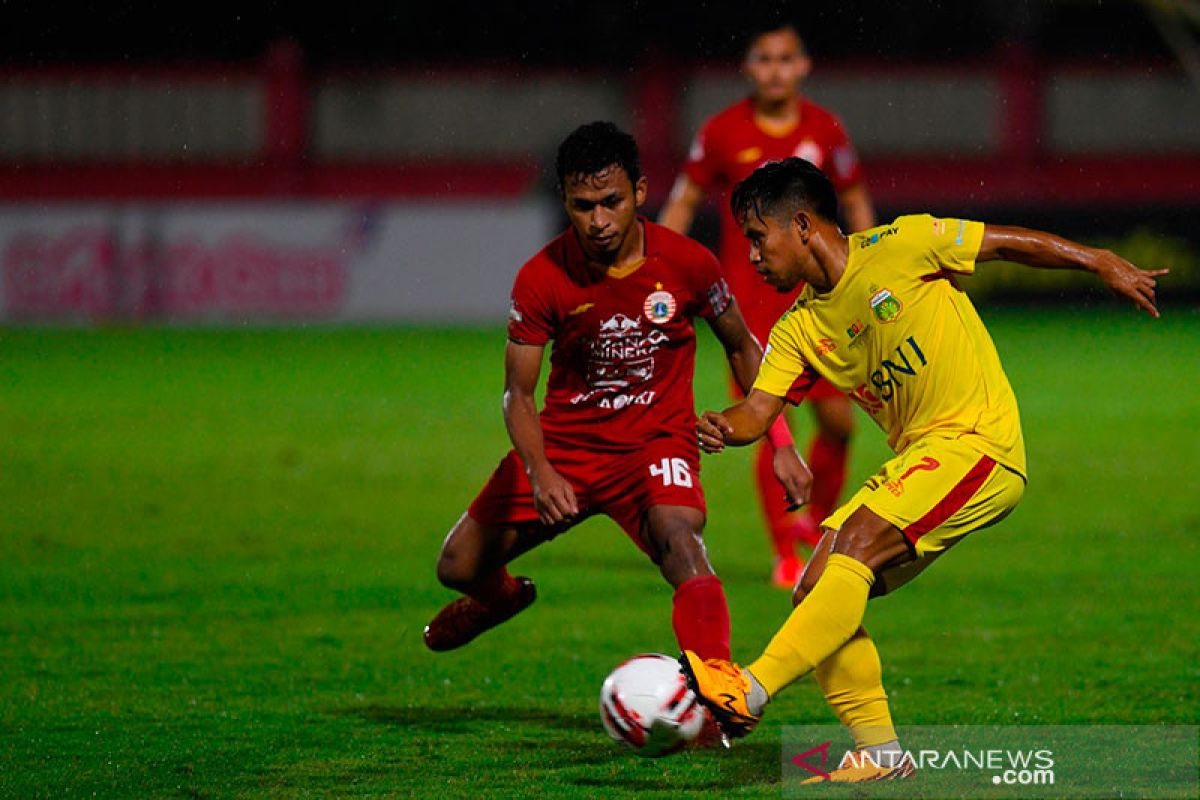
[{"x": 567, "y": 34}]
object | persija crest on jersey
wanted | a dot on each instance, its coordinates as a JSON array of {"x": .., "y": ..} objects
[{"x": 659, "y": 306}]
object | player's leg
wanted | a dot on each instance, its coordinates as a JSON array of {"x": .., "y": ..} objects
[
  {"x": 500, "y": 525},
  {"x": 659, "y": 503},
  {"x": 699, "y": 613},
  {"x": 951, "y": 490},
  {"x": 827, "y": 456},
  {"x": 472, "y": 561},
  {"x": 782, "y": 524},
  {"x": 852, "y": 678},
  {"x": 834, "y": 599}
]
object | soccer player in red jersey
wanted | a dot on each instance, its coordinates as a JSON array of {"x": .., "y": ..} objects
[
  {"x": 774, "y": 123},
  {"x": 617, "y": 295}
]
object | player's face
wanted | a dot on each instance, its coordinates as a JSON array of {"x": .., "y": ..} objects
[
  {"x": 777, "y": 252},
  {"x": 775, "y": 65},
  {"x": 603, "y": 208}
]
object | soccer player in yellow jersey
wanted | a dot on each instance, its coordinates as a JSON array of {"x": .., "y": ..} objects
[{"x": 883, "y": 319}]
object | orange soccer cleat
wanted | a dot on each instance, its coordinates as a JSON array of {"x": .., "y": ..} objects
[
  {"x": 862, "y": 769},
  {"x": 722, "y": 688},
  {"x": 465, "y": 618}
]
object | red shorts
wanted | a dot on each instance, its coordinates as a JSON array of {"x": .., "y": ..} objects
[{"x": 622, "y": 486}]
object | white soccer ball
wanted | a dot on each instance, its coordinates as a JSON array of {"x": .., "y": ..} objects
[{"x": 645, "y": 703}]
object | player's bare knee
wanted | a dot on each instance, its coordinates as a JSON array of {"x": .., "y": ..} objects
[
  {"x": 870, "y": 540},
  {"x": 458, "y": 562},
  {"x": 680, "y": 553},
  {"x": 454, "y": 570}
]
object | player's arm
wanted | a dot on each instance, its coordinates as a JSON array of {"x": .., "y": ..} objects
[
  {"x": 743, "y": 423},
  {"x": 552, "y": 494},
  {"x": 744, "y": 355},
  {"x": 680, "y": 209},
  {"x": 857, "y": 207},
  {"x": 742, "y": 350},
  {"x": 1047, "y": 251}
]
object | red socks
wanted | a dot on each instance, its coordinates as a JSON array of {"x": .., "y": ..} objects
[
  {"x": 827, "y": 460},
  {"x": 701, "y": 617},
  {"x": 492, "y": 589},
  {"x": 780, "y": 523}
]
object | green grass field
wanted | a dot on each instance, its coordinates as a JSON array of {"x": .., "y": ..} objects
[{"x": 217, "y": 549}]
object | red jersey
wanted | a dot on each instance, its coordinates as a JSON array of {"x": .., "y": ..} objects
[
  {"x": 624, "y": 344},
  {"x": 727, "y": 149}
]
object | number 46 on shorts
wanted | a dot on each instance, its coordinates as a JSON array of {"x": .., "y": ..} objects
[{"x": 673, "y": 471}]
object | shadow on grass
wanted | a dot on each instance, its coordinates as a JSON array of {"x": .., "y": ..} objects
[{"x": 574, "y": 747}]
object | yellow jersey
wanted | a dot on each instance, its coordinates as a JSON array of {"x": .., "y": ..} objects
[{"x": 901, "y": 338}]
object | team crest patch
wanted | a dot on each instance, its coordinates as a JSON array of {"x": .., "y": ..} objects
[
  {"x": 886, "y": 306},
  {"x": 659, "y": 306}
]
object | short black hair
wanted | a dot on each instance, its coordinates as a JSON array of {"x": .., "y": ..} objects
[
  {"x": 770, "y": 23},
  {"x": 781, "y": 188},
  {"x": 593, "y": 147}
]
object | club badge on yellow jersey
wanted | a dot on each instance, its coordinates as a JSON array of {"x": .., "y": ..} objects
[{"x": 886, "y": 306}]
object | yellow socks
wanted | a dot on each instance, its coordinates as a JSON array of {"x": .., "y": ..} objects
[
  {"x": 822, "y": 623},
  {"x": 852, "y": 680}
]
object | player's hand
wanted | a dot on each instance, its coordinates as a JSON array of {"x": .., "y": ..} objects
[
  {"x": 711, "y": 430},
  {"x": 1126, "y": 280},
  {"x": 553, "y": 496},
  {"x": 794, "y": 475}
]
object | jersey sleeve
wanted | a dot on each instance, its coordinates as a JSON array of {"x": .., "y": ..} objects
[
  {"x": 701, "y": 166},
  {"x": 953, "y": 243},
  {"x": 933, "y": 244},
  {"x": 845, "y": 170},
  {"x": 784, "y": 372},
  {"x": 531, "y": 315},
  {"x": 713, "y": 297}
]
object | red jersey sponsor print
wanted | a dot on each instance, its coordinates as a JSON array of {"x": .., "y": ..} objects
[
  {"x": 624, "y": 344},
  {"x": 727, "y": 149}
]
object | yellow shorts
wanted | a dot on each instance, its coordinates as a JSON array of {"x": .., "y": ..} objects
[{"x": 936, "y": 492}]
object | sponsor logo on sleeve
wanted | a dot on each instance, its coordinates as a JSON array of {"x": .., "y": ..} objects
[
  {"x": 514, "y": 314},
  {"x": 719, "y": 297}
]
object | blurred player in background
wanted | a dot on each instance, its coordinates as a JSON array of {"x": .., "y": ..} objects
[
  {"x": 883, "y": 318},
  {"x": 773, "y": 123},
  {"x": 617, "y": 294}
]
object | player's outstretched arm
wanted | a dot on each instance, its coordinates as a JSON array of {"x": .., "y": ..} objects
[
  {"x": 1047, "y": 251},
  {"x": 552, "y": 494},
  {"x": 740, "y": 424},
  {"x": 742, "y": 350},
  {"x": 681, "y": 205}
]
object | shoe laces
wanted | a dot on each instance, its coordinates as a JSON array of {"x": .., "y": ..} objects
[{"x": 727, "y": 668}]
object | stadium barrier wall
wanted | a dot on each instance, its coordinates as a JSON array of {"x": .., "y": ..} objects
[{"x": 255, "y": 262}]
